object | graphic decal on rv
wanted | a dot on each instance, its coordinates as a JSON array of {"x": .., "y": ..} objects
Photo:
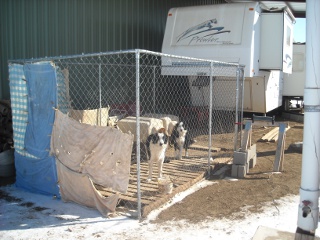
[
  {"x": 288, "y": 60},
  {"x": 203, "y": 33}
]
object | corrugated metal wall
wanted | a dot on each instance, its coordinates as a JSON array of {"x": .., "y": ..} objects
[{"x": 39, "y": 28}]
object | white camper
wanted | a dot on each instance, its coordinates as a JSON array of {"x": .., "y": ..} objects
[
  {"x": 242, "y": 33},
  {"x": 293, "y": 84}
]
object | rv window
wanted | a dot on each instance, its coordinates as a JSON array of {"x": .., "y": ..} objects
[
  {"x": 201, "y": 81},
  {"x": 288, "y": 36}
]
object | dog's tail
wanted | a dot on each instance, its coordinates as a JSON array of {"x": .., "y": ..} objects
[{"x": 148, "y": 147}]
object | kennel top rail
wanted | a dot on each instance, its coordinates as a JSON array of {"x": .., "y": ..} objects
[{"x": 34, "y": 60}]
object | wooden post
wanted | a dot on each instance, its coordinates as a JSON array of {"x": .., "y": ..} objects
[
  {"x": 246, "y": 141},
  {"x": 278, "y": 162}
]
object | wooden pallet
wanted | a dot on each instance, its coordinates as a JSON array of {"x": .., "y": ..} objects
[{"x": 183, "y": 174}]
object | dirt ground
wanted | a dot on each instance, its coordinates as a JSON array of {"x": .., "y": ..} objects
[{"x": 228, "y": 198}]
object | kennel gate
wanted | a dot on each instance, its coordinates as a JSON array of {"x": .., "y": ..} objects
[{"x": 138, "y": 92}]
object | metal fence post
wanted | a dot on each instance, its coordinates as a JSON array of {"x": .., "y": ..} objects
[
  {"x": 236, "y": 124},
  {"x": 100, "y": 106},
  {"x": 210, "y": 114},
  {"x": 137, "y": 53},
  {"x": 239, "y": 106},
  {"x": 154, "y": 89}
]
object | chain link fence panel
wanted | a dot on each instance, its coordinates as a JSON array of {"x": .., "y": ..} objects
[{"x": 140, "y": 92}]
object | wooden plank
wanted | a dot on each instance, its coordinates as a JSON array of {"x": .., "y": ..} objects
[
  {"x": 280, "y": 150},
  {"x": 165, "y": 198},
  {"x": 170, "y": 170},
  {"x": 175, "y": 166},
  {"x": 202, "y": 148},
  {"x": 276, "y": 137},
  {"x": 246, "y": 139},
  {"x": 267, "y": 137},
  {"x": 183, "y": 173},
  {"x": 127, "y": 197}
]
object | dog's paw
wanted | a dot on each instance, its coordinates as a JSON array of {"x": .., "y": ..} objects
[{"x": 166, "y": 160}]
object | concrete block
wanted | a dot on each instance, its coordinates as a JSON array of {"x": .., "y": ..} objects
[
  {"x": 234, "y": 171},
  {"x": 242, "y": 171},
  {"x": 238, "y": 171},
  {"x": 240, "y": 158}
]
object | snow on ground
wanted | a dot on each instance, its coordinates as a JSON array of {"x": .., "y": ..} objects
[{"x": 55, "y": 219}]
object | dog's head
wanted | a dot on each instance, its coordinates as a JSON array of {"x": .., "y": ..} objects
[
  {"x": 160, "y": 138},
  {"x": 180, "y": 129}
]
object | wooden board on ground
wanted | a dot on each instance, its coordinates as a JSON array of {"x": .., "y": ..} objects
[
  {"x": 273, "y": 135},
  {"x": 182, "y": 173},
  {"x": 202, "y": 148},
  {"x": 267, "y": 137}
]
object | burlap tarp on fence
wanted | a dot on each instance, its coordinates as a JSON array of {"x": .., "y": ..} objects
[{"x": 98, "y": 154}]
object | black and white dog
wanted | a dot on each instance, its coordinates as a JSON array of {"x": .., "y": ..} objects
[
  {"x": 180, "y": 139},
  {"x": 157, "y": 144}
]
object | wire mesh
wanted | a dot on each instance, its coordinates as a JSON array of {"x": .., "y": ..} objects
[{"x": 140, "y": 92}]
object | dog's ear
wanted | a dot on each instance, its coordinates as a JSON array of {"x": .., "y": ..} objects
[
  {"x": 155, "y": 138},
  {"x": 162, "y": 130},
  {"x": 175, "y": 133}
]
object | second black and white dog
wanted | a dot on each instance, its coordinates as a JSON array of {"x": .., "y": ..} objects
[
  {"x": 157, "y": 144},
  {"x": 180, "y": 139}
]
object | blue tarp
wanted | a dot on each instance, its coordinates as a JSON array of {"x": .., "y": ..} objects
[
  {"x": 33, "y": 96},
  {"x": 42, "y": 98},
  {"x": 37, "y": 175}
]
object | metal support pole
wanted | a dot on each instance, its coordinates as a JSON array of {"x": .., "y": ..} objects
[
  {"x": 154, "y": 89},
  {"x": 100, "y": 93},
  {"x": 138, "y": 129},
  {"x": 242, "y": 102},
  {"x": 236, "y": 124},
  {"x": 308, "y": 212},
  {"x": 210, "y": 115}
]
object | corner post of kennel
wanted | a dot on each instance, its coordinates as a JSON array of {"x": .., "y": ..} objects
[
  {"x": 239, "y": 106},
  {"x": 137, "y": 54}
]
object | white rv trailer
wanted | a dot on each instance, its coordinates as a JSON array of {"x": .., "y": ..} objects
[
  {"x": 241, "y": 33},
  {"x": 293, "y": 84}
]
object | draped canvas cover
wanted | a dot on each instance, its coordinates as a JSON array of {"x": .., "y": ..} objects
[
  {"x": 102, "y": 153},
  {"x": 79, "y": 188},
  {"x": 89, "y": 154}
]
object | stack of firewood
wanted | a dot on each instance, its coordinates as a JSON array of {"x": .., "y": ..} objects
[{"x": 6, "y": 132}]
